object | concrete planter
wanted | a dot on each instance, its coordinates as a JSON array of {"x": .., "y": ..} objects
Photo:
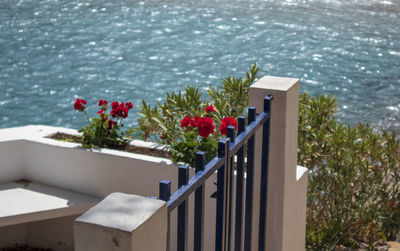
[{"x": 27, "y": 153}]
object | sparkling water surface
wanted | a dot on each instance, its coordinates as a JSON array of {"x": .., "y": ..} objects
[{"x": 54, "y": 51}]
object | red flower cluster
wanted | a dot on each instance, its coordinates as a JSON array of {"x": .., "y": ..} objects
[
  {"x": 227, "y": 121},
  {"x": 80, "y": 105},
  {"x": 120, "y": 109},
  {"x": 186, "y": 121},
  {"x": 103, "y": 103},
  {"x": 205, "y": 125},
  {"x": 210, "y": 108}
]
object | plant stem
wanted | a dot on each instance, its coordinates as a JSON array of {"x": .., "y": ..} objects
[{"x": 87, "y": 117}]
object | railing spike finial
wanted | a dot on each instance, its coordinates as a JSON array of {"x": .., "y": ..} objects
[
  {"x": 241, "y": 124},
  {"x": 251, "y": 114},
  {"x": 165, "y": 190},
  {"x": 221, "y": 147},
  {"x": 200, "y": 160},
  {"x": 267, "y": 103},
  {"x": 230, "y": 132}
]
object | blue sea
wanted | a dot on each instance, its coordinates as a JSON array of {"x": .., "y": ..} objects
[{"x": 54, "y": 51}]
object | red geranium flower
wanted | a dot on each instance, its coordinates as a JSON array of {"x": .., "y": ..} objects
[
  {"x": 103, "y": 102},
  {"x": 195, "y": 121},
  {"x": 205, "y": 126},
  {"x": 119, "y": 110},
  {"x": 227, "y": 121},
  {"x": 210, "y": 108},
  {"x": 114, "y": 104},
  {"x": 80, "y": 105},
  {"x": 129, "y": 105},
  {"x": 186, "y": 121}
]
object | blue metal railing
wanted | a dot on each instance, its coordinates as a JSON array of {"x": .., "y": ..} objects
[{"x": 223, "y": 164}]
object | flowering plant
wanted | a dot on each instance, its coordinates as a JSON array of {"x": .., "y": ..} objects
[
  {"x": 105, "y": 131},
  {"x": 199, "y": 134},
  {"x": 175, "y": 121}
]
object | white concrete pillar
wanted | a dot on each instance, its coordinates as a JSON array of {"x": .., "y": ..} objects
[
  {"x": 287, "y": 183},
  {"x": 123, "y": 222}
]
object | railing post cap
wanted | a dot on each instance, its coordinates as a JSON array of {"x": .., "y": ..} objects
[
  {"x": 121, "y": 211},
  {"x": 275, "y": 83}
]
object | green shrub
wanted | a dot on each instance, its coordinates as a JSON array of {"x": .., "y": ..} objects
[
  {"x": 353, "y": 190},
  {"x": 162, "y": 123}
]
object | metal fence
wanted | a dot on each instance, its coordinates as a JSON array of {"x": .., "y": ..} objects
[{"x": 223, "y": 163}]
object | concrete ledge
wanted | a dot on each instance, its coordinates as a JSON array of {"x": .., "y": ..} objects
[
  {"x": 22, "y": 202},
  {"x": 123, "y": 222}
]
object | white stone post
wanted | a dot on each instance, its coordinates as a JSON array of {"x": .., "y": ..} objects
[
  {"x": 123, "y": 222},
  {"x": 287, "y": 182}
]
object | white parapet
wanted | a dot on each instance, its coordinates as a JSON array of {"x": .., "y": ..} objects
[{"x": 123, "y": 222}]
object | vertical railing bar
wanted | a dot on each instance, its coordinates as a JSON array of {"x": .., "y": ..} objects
[
  {"x": 220, "y": 219},
  {"x": 183, "y": 178},
  {"x": 199, "y": 206},
  {"x": 230, "y": 133},
  {"x": 248, "y": 228},
  {"x": 264, "y": 176},
  {"x": 165, "y": 193},
  {"x": 227, "y": 192},
  {"x": 239, "y": 188}
]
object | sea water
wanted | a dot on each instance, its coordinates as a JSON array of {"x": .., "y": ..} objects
[{"x": 54, "y": 51}]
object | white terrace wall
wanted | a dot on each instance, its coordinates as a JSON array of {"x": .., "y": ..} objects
[
  {"x": 97, "y": 172},
  {"x": 12, "y": 157}
]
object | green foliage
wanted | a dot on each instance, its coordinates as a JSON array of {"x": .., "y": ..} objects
[
  {"x": 353, "y": 190},
  {"x": 162, "y": 122},
  {"x": 185, "y": 150},
  {"x": 354, "y": 179},
  {"x": 97, "y": 133},
  {"x": 232, "y": 98}
]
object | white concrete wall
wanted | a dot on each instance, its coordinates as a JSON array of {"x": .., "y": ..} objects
[
  {"x": 56, "y": 234},
  {"x": 12, "y": 157},
  {"x": 96, "y": 172},
  {"x": 12, "y": 235}
]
